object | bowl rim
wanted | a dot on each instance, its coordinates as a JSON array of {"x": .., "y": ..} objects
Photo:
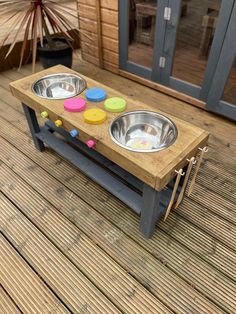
[
  {"x": 144, "y": 150},
  {"x": 55, "y": 74}
]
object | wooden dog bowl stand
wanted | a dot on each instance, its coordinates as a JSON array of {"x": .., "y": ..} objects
[{"x": 150, "y": 176}]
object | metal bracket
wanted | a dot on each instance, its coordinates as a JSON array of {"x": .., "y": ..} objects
[
  {"x": 167, "y": 13},
  {"x": 162, "y": 62}
]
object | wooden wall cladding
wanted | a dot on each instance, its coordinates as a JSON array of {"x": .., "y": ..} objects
[
  {"x": 89, "y": 35},
  {"x": 107, "y": 4},
  {"x": 13, "y": 59}
]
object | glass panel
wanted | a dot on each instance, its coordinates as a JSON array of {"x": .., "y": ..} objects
[
  {"x": 142, "y": 21},
  {"x": 230, "y": 88},
  {"x": 195, "y": 34}
]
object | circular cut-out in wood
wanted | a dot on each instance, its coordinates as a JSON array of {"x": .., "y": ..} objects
[
  {"x": 95, "y": 116},
  {"x": 96, "y": 94},
  {"x": 74, "y": 104},
  {"x": 115, "y": 104}
]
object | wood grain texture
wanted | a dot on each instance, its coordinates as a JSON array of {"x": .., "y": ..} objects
[
  {"x": 108, "y": 276},
  {"x": 7, "y": 306},
  {"x": 89, "y": 12},
  {"x": 164, "y": 89},
  {"x": 90, "y": 27},
  {"x": 108, "y": 43},
  {"x": 67, "y": 281},
  {"x": 19, "y": 280},
  {"x": 155, "y": 169},
  {"x": 107, "y": 4},
  {"x": 201, "y": 244},
  {"x": 126, "y": 252},
  {"x": 103, "y": 20},
  {"x": 82, "y": 251}
]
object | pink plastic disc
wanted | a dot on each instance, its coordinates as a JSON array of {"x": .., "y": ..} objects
[{"x": 74, "y": 104}]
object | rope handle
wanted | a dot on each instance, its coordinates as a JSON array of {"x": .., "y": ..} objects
[
  {"x": 180, "y": 173},
  {"x": 192, "y": 183}
]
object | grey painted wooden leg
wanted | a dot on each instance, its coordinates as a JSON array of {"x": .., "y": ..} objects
[
  {"x": 152, "y": 210},
  {"x": 33, "y": 126}
]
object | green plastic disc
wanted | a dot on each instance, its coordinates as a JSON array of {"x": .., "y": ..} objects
[{"x": 115, "y": 104}]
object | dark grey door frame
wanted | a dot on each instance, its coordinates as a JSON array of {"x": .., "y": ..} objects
[
  {"x": 214, "y": 55},
  {"x": 222, "y": 72},
  {"x": 124, "y": 62}
]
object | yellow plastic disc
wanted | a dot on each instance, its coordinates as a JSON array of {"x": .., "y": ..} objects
[{"x": 95, "y": 116}]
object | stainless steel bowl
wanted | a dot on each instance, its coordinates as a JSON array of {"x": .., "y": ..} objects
[
  {"x": 143, "y": 131},
  {"x": 59, "y": 86}
]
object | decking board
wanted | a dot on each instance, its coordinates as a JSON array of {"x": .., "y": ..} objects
[
  {"x": 25, "y": 287},
  {"x": 111, "y": 279},
  {"x": 214, "y": 202},
  {"x": 138, "y": 260},
  {"x": 208, "y": 222},
  {"x": 61, "y": 169},
  {"x": 7, "y": 306},
  {"x": 57, "y": 271},
  {"x": 189, "y": 264}
]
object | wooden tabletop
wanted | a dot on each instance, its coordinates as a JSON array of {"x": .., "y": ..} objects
[{"x": 155, "y": 169}]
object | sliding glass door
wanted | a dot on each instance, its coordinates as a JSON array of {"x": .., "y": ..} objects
[
  {"x": 192, "y": 48},
  {"x": 142, "y": 31},
  {"x": 176, "y": 43},
  {"x": 222, "y": 95}
]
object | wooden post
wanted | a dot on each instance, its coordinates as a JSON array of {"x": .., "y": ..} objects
[
  {"x": 172, "y": 199},
  {"x": 99, "y": 32},
  {"x": 192, "y": 183},
  {"x": 192, "y": 161}
]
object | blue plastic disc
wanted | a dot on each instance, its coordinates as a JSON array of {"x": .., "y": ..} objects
[{"x": 96, "y": 94}]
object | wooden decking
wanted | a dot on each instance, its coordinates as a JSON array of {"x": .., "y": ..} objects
[{"x": 68, "y": 246}]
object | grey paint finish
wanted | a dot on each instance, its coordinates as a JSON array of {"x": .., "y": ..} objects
[
  {"x": 93, "y": 171},
  {"x": 160, "y": 30},
  {"x": 123, "y": 32},
  {"x": 33, "y": 126},
  {"x": 154, "y": 206},
  {"x": 170, "y": 40},
  {"x": 214, "y": 55},
  {"x": 124, "y": 62},
  {"x": 199, "y": 92},
  {"x": 138, "y": 70},
  {"x": 184, "y": 87},
  {"x": 164, "y": 46},
  {"x": 226, "y": 61},
  {"x": 225, "y": 109},
  {"x": 152, "y": 210},
  {"x": 138, "y": 184}
]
